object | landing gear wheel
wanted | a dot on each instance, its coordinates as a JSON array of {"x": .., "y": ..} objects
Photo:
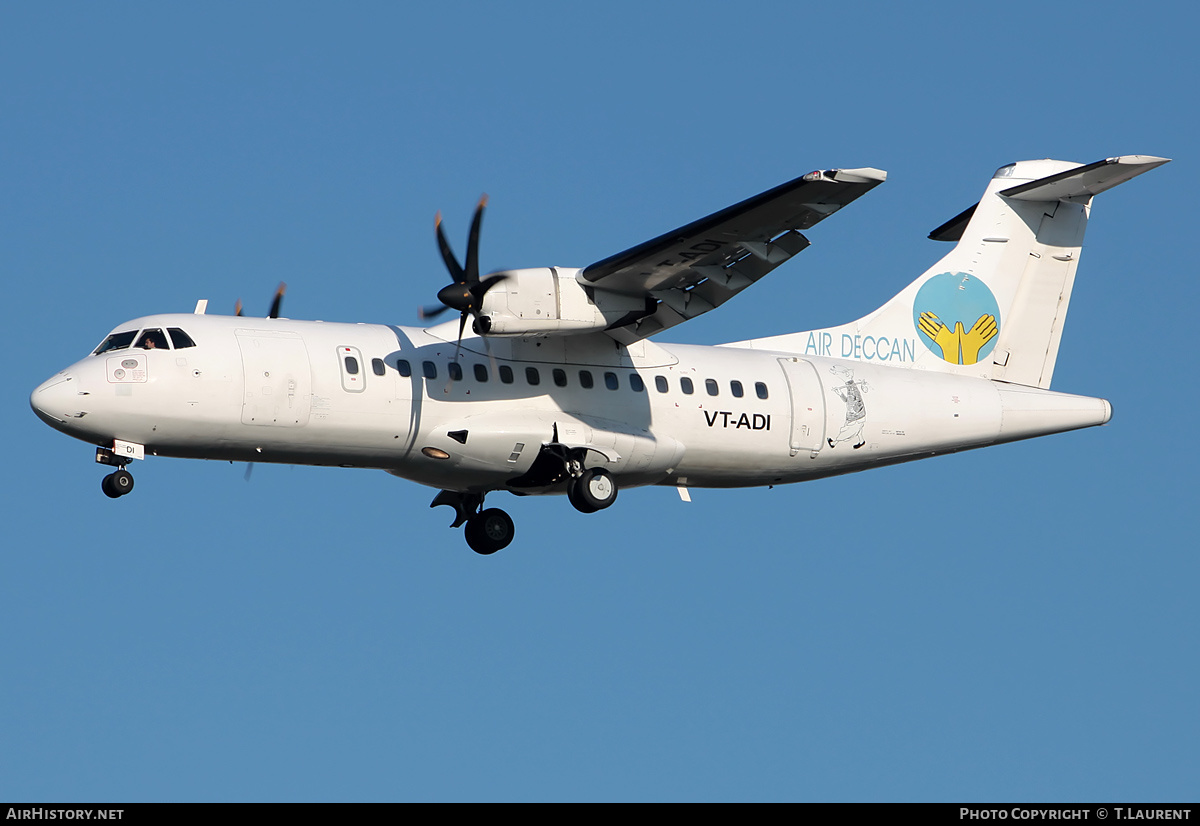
[
  {"x": 593, "y": 491},
  {"x": 117, "y": 484},
  {"x": 489, "y": 531}
]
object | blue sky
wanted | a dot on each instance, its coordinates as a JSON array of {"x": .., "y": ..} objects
[{"x": 1017, "y": 623}]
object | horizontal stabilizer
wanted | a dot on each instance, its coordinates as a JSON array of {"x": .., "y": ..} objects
[
  {"x": 953, "y": 229},
  {"x": 1081, "y": 181},
  {"x": 1084, "y": 181}
]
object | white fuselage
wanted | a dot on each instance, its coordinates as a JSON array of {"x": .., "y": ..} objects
[{"x": 358, "y": 395}]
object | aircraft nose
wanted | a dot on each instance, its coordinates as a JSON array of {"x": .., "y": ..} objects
[{"x": 52, "y": 399}]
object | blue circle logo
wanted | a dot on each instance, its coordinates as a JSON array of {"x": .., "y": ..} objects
[{"x": 957, "y": 317}]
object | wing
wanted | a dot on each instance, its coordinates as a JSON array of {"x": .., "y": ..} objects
[{"x": 700, "y": 266}]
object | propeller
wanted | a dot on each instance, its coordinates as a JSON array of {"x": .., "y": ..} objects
[
  {"x": 276, "y": 302},
  {"x": 465, "y": 294}
]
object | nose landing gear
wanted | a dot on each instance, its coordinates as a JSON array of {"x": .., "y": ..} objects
[{"x": 116, "y": 485}]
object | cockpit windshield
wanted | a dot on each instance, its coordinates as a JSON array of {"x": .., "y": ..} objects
[
  {"x": 117, "y": 341},
  {"x": 180, "y": 339},
  {"x": 152, "y": 338}
]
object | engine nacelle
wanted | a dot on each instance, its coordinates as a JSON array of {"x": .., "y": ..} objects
[{"x": 548, "y": 301}]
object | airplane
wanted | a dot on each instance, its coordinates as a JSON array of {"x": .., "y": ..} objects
[{"x": 557, "y": 388}]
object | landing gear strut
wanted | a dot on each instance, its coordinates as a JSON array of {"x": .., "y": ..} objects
[{"x": 488, "y": 530}]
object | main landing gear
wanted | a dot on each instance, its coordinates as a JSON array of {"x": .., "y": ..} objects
[
  {"x": 588, "y": 489},
  {"x": 488, "y": 530},
  {"x": 592, "y": 490}
]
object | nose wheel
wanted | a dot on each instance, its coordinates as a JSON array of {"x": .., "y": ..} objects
[{"x": 116, "y": 485}]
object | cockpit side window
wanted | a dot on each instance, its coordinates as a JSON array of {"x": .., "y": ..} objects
[
  {"x": 117, "y": 341},
  {"x": 152, "y": 339},
  {"x": 180, "y": 339}
]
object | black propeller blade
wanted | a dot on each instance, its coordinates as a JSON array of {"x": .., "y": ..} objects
[
  {"x": 465, "y": 294},
  {"x": 276, "y": 302}
]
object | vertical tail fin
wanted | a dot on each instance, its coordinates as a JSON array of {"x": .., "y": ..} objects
[{"x": 994, "y": 306}]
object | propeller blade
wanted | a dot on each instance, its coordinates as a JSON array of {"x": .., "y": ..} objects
[
  {"x": 432, "y": 311},
  {"x": 480, "y": 289},
  {"x": 462, "y": 325},
  {"x": 465, "y": 293},
  {"x": 472, "y": 268},
  {"x": 487, "y": 347},
  {"x": 456, "y": 272},
  {"x": 277, "y": 301}
]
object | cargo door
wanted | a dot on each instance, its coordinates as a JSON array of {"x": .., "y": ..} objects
[{"x": 278, "y": 388}]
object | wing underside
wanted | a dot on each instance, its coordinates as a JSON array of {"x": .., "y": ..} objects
[{"x": 698, "y": 267}]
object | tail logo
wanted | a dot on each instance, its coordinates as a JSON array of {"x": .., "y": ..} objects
[{"x": 957, "y": 317}]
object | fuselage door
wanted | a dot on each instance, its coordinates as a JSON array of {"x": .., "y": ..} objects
[
  {"x": 278, "y": 378},
  {"x": 808, "y": 406}
]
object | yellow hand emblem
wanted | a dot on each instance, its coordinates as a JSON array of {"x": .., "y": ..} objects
[
  {"x": 945, "y": 338},
  {"x": 973, "y": 340}
]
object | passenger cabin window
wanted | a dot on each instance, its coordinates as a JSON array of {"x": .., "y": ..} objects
[
  {"x": 180, "y": 339},
  {"x": 152, "y": 339},
  {"x": 735, "y": 387},
  {"x": 532, "y": 376},
  {"x": 560, "y": 377},
  {"x": 456, "y": 373},
  {"x": 760, "y": 389},
  {"x": 429, "y": 369},
  {"x": 352, "y": 365},
  {"x": 610, "y": 381},
  {"x": 685, "y": 384},
  {"x": 404, "y": 368},
  {"x": 378, "y": 367},
  {"x": 506, "y": 374},
  {"x": 710, "y": 386},
  {"x": 117, "y": 341},
  {"x": 481, "y": 373},
  {"x": 636, "y": 384},
  {"x": 585, "y": 379},
  {"x": 660, "y": 382}
]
